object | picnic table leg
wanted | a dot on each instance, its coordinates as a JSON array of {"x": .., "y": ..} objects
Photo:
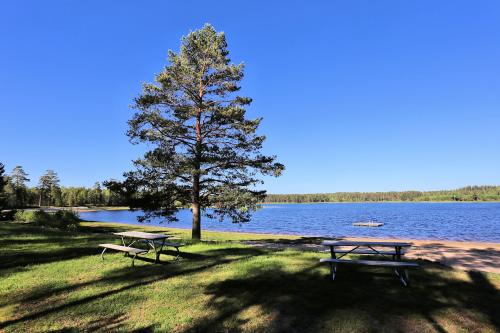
[
  {"x": 402, "y": 273},
  {"x": 178, "y": 253},
  {"x": 102, "y": 254},
  {"x": 333, "y": 270},
  {"x": 159, "y": 252},
  {"x": 332, "y": 252},
  {"x": 398, "y": 253},
  {"x": 397, "y": 257},
  {"x": 123, "y": 242},
  {"x": 151, "y": 244},
  {"x": 333, "y": 266},
  {"x": 404, "y": 277}
]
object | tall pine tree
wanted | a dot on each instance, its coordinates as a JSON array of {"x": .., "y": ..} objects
[
  {"x": 3, "y": 181},
  {"x": 48, "y": 187},
  {"x": 206, "y": 153},
  {"x": 19, "y": 178}
]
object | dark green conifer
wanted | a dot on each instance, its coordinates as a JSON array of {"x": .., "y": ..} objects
[{"x": 205, "y": 152}]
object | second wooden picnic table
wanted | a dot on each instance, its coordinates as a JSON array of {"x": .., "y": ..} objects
[
  {"x": 370, "y": 248},
  {"x": 367, "y": 248}
]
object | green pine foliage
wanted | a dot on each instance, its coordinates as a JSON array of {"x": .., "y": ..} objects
[
  {"x": 18, "y": 181},
  {"x": 205, "y": 151},
  {"x": 3, "y": 196}
]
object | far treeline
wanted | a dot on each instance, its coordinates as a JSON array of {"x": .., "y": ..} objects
[
  {"x": 468, "y": 193},
  {"x": 15, "y": 192}
]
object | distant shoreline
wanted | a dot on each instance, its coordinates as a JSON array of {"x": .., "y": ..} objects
[{"x": 476, "y": 193}]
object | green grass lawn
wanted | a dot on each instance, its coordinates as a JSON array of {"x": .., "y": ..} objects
[{"x": 55, "y": 281}]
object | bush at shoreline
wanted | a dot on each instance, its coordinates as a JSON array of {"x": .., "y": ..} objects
[{"x": 61, "y": 219}]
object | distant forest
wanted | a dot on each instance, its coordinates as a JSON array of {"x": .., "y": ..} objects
[
  {"x": 15, "y": 192},
  {"x": 469, "y": 193}
]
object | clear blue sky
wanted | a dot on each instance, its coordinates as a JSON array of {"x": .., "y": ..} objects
[{"x": 355, "y": 95}]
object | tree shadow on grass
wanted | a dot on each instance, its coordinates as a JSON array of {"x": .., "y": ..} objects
[
  {"x": 278, "y": 297},
  {"x": 48, "y": 245},
  {"x": 115, "y": 323},
  {"x": 24, "y": 258},
  {"x": 25, "y": 244},
  {"x": 361, "y": 299},
  {"x": 482, "y": 282},
  {"x": 303, "y": 300},
  {"x": 474, "y": 258},
  {"x": 123, "y": 279}
]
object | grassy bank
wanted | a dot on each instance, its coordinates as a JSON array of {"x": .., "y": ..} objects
[{"x": 53, "y": 280}]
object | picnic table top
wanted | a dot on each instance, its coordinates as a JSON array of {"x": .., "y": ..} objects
[
  {"x": 365, "y": 243},
  {"x": 141, "y": 235}
]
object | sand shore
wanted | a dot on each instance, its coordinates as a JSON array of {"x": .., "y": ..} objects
[
  {"x": 477, "y": 256},
  {"x": 462, "y": 255}
]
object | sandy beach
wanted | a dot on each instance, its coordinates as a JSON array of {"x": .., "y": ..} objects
[
  {"x": 462, "y": 255},
  {"x": 477, "y": 256}
]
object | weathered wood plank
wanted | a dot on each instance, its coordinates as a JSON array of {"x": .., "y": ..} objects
[
  {"x": 141, "y": 235},
  {"x": 365, "y": 243},
  {"x": 122, "y": 248},
  {"x": 371, "y": 262},
  {"x": 174, "y": 244},
  {"x": 367, "y": 252}
]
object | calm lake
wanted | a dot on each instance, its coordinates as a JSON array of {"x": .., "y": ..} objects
[{"x": 449, "y": 221}]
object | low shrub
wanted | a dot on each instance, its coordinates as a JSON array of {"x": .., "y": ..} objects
[
  {"x": 27, "y": 216},
  {"x": 65, "y": 219},
  {"x": 61, "y": 219}
]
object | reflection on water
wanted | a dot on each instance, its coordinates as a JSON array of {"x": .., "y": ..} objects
[{"x": 451, "y": 221}]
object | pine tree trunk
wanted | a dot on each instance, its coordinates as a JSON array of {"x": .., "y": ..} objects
[
  {"x": 195, "y": 207},
  {"x": 196, "y": 229}
]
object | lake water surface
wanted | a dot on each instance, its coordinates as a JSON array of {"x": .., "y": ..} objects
[{"x": 449, "y": 221}]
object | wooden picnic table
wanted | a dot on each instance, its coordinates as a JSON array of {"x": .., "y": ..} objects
[
  {"x": 149, "y": 238},
  {"x": 338, "y": 250},
  {"x": 355, "y": 245}
]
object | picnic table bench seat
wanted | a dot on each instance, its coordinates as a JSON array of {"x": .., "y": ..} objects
[
  {"x": 362, "y": 251},
  {"x": 400, "y": 267},
  {"x": 127, "y": 249},
  {"x": 371, "y": 262},
  {"x": 174, "y": 245},
  {"x": 170, "y": 243}
]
